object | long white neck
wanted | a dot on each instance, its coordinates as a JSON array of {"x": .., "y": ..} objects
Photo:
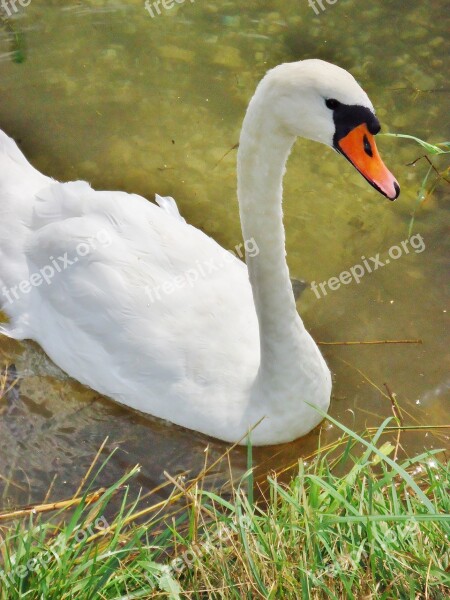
[{"x": 262, "y": 157}]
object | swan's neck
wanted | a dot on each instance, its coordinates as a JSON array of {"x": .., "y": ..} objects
[{"x": 262, "y": 157}]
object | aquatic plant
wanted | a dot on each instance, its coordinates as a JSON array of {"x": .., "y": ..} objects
[{"x": 429, "y": 183}]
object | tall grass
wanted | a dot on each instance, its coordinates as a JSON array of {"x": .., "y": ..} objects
[{"x": 381, "y": 530}]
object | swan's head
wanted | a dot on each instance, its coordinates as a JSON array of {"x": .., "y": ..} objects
[{"x": 322, "y": 102}]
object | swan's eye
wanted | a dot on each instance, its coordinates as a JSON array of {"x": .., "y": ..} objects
[
  {"x": 332, "y": 104},
  {"x": 367, "y": 147}
]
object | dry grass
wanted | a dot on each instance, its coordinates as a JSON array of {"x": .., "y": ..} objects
[{"x": 379, "y": 531}]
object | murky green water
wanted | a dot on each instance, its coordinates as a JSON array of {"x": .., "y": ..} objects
[{"x": 126, "y": 101}]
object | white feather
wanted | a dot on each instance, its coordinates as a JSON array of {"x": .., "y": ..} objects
[{"x": 168, "y": 204}]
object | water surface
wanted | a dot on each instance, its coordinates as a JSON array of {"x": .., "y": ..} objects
[{"x": 126, "y": 101}]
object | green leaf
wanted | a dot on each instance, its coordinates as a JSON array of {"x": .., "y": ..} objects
[{"x": 430, "y": 148}]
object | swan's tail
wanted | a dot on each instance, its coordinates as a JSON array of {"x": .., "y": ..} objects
[
  {"x": 9, "y": 149},
  {"x": 15, "y": 169},
  {"x": 19, "y": 182},
  {"x": 14, "y": 332}
]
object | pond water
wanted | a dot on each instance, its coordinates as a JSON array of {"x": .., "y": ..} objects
[{"x": 112, "y": 95}]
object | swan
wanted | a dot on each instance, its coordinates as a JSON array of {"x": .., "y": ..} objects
[{"x": 130, "y": 300}]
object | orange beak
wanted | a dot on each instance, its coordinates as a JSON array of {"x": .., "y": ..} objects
[{"x": 360, "y": 149}]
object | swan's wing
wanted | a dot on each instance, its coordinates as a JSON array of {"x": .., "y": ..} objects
[{"x": 122, "y": 293}]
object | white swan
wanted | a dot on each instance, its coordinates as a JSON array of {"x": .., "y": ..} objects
[{"x": 130, "y": 300}]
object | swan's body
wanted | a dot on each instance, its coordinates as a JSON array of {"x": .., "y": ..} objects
[{"x": 153, "y": 312}]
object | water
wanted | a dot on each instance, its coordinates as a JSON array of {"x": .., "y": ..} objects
[{"x": 126, "y": 101}]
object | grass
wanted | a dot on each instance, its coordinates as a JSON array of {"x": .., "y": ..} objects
[
  {"x": 16, "y": 37},
  {"x": 352, "y": 523}
]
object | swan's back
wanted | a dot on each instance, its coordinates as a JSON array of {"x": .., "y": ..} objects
[{"x": 145, "y": 304}]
